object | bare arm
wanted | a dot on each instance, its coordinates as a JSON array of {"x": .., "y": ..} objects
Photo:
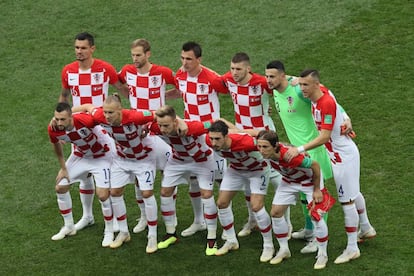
[
  {"x": 64, "y": 95},
  {"x": 316, "y": 180},
  {"x": 173, "y": 93},
  {"x": 63, "y": 172},
  {"x": 234, "y": 129},
  {"x": 323, "y": 137},
  {"x": 83, "y": 108},
  {"x": 122, "y": 88}
]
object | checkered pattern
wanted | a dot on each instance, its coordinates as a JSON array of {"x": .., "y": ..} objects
[
  {"x": 243, "y": 154},
  {"x": 85, "y": 142},
  {"x": 127, "y": 136},
  {"x": 90, "y": 86},
  {"x": 327, "y": 115},
  {"x": 189, "y": 148},
  {"x": 251, "y": 102},
  {"x": 291, "y": 171},
  {"x": 147, "y": 92},
  {"x": 201, "y": 102}
]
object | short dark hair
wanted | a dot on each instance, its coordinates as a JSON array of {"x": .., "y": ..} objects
[
  {"x": 310, "y": 72},
  {"x": 276, "y": 64},
  {"x": 63, "y": 106},
  {"x": 269, "y": 136},
  {"x": 86, "y": 36},
  {"x": 241, "y": 57},
  {"x": 219, "y": 126},
  {"x": 192, "y": 46}
]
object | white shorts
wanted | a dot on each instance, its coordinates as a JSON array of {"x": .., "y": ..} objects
[
  {"x": 346, "y": 176},
  {"x": 177, "y": 172},
  {"x": 161, "y": 148},
  {"x": 275, "y": 178},
  {"x": 79, "y": 168},
  {"x": 254, "y": 181},
  {"x": 124, "y": 171},
  {"x": 221, "y": 166},
  {"x": 287, "y": 193}
]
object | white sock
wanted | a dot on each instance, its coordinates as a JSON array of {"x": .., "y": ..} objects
[
  {"x": 168, "y": 213},
  {"x": 152, "y": 215},
  {"x": 321, "y": 234},
  {"x": 195, "y": 196},
  {"x": 265, "y": 226},
  {"x": 140, "y": 201},
  {"x": 65, "y": 207},
  {"x": 119, "y": 209},
  {"x": 351, "y": 225},
  {"x": 87, "y": 194},
  {"x": 227, "y": 222},
  {"x": 210, "y": 215},
  {"x": 107, "y": 213},
  {"x": 362, "y": 213},
  {"x": 251, "y": 218},
  {"x": 280, "y": 229}
]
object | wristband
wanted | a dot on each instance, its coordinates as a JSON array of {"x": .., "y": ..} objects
[{"x": 301, "y": 149}]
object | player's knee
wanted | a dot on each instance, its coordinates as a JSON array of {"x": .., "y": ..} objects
[
  {"x": 117, "y": 191},
  {"x": 167, "y": 191},
  {"x": 61, "y": 189},
  {"x": 147, "y": 193},
  {"x": 276, "y": 212},
  {"x": 102, "y": 193},
  {"x": 206, "y": 194},
  {"x": 222, "y": 204},
  {"x": 257, "y": 206}
]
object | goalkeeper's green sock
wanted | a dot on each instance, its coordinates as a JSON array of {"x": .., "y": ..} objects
[{"x": 308, "y": 220}]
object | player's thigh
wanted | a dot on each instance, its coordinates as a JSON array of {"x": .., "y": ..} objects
[
  {"x": 286, "y": 194},
  {"x": 145, "y": 174},
  {"x": 258, "y": 181},
  {"x": 347, "y": 181},
  {"x": 233, "y": 181}
]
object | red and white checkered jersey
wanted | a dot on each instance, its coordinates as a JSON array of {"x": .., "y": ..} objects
[
  {"x": 199, "y": 93},
  {"x": 327, "y": 115},
  {"x": 86, "y": 143},
  {"x": 292, "y": 172},
  {"x": 89, "y": 86},
  {"x": 191, "y": 147},
  {"x": 127, "y": 136},
  {"x": 242, "y": 154},
  {"x": 146, "y": 91},
  {"x": 251, "y": 102}
]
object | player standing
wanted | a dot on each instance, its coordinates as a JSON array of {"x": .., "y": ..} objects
[
  {"x": 250, "y": 94},
  {"x": 87, "y": 79},
  {"x": 345, "y": 160},
  {"x": 147, "y": 83},
  {"x": 198, "y": 85}
]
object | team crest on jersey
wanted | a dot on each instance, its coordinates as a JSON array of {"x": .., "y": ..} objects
[
  {"x": 290, "y": 100},
  {"x": 96, "y": 77},
  {"x": 255, "y": 89},
  {"x": 154, "y": 81},
  {"x": 83, "y": 132},
  {"x": 203, "y": 88}
]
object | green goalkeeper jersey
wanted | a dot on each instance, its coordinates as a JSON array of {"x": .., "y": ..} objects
[{"x": 296, "y": 115}]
